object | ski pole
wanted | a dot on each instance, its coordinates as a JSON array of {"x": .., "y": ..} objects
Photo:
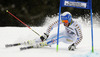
[{"x": 22, "y": 22}]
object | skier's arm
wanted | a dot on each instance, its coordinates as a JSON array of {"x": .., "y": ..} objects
[
  {"x": 51, "y": 26},
  {"x": 79, "y": 34},
  {"x": 45, "y": 36}
]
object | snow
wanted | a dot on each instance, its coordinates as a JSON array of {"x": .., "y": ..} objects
[{"x": 10, "y": 35}]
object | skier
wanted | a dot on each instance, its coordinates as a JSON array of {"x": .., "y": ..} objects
[{"x": 72, "y": 33}]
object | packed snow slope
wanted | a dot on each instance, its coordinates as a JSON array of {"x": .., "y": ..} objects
[{"x": 10, "y": 35}]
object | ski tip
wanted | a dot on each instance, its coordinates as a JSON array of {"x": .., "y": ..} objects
[
  {"x": 8, "y": 46},
  {"x": 6, "y": 10},
  {"x": 22, "y": 48}
]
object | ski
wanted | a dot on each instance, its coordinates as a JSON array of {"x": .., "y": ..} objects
[
  {"x": 23, "y": 43},
  {"x": 29, "y": 47},
  {"x": 24, "y": 48},
  {"x": 38, "y": 45},
  {"x": 11, "y": 45},
  {"x": 16, "y": 44}
]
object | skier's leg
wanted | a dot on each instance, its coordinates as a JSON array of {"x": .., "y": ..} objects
[
  {"x": 63, "y": 37},
  {"x": 53, "y": 38}
]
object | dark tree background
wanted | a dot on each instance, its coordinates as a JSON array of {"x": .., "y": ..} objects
[{"x": 33, "y": 12}]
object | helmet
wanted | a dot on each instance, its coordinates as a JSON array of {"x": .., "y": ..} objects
[{"x": 66, "y": 17}]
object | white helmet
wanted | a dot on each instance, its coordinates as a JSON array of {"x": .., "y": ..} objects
[{"x": 66, "y": 16}]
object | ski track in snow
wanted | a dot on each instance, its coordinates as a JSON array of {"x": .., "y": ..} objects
[{"x": 10, "y": 35}]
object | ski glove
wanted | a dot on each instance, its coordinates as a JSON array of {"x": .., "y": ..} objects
[
  {"x": 72, "y": 47},
  {"x": 44, "y": 37}
]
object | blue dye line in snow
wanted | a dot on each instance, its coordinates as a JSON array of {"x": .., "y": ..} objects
[{"x": 87, "y": 55}]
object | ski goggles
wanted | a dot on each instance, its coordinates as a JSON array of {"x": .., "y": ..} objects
[{"x": 65, "y": 21}]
